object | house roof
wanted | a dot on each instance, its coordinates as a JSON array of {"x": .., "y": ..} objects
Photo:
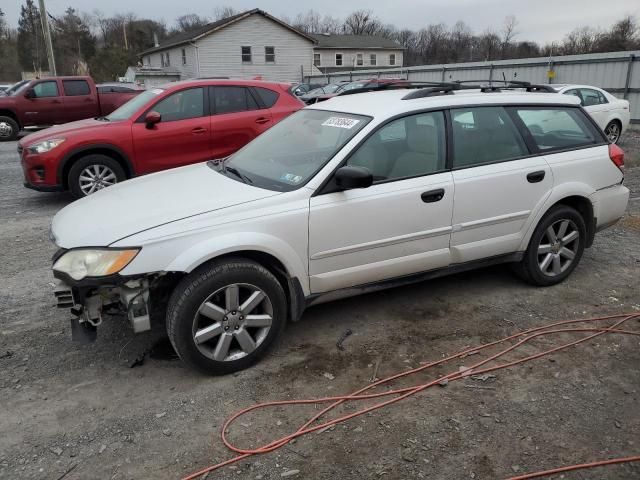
[
  {"x": 331, "y": 40},
  {"x": 193, "y": 35}
]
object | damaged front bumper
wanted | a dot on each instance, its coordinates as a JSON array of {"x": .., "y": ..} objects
[{"x": 88, "y": 302}]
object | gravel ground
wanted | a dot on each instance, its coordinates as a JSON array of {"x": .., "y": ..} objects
[{"x": 83, "y": 408}]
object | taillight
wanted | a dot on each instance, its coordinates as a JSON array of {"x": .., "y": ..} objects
[{"x": 616, "y": 154}]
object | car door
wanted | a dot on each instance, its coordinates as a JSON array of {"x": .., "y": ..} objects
[
  {"x": 237, "y": 118},
  {"x": 180, "y": 138},
  {"x": 596, "y": 104},
  {"x": 79, "y": 102},
  {"x": 398, "y": 226},
  {"x": 498, "y": 184},
  {"x": 46, "y": 106}
]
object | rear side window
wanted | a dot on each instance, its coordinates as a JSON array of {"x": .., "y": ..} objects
[
  {"x": 232, "y": 99},
  {"x": 181, "y": 105},
  {"x": 484, "y": 135},
  {"x": 75, "y": 88},
  {"x": 268, "y": 97},
  {"x": 557, "y": 128},
  {"x": 592, "y": 97}
]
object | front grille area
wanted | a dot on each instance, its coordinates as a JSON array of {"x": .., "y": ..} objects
[{"x": 64, "y": 296}]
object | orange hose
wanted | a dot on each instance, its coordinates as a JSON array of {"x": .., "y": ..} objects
[
  {"x": 403, "y": 393},
  {"x": 581, "y": 466}
]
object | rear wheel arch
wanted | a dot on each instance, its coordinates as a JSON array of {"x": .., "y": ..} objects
[
  {"x": 107, "y": 150},
  {"x": 584, "y": 206},
  {"x": 10, "y": 114}
]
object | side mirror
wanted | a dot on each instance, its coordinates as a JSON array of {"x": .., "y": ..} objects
[
  {"x": 349, "y": 177},
  {"x": 30, "y": 93},
  {"x": 152, "y": 118}
]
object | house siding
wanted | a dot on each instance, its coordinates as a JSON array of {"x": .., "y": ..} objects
[
  {"x": 220, "y": 52},
  {"x": 190, "y": 70},
  {"x": 328, "y": 57}
]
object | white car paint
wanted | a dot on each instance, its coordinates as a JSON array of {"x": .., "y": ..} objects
[
  {"x": 614, "y": 109},
  {"x": 181, "y": 218}
]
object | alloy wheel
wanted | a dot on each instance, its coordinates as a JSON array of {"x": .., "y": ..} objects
[
  {"x": 558, "y": 247},
  {"x": 232, "y": 322},
  {"x": 96, "y": 177},
  {"x": 6, "y": 130},
  {"x": 613, "y": 132}
]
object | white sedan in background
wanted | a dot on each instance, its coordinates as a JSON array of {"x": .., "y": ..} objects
[{"x": 612, "y": 114}]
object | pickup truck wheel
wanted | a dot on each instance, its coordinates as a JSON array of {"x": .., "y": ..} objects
[
  {"x": 9, "y": 129},
  {"x": 555, "y": 248},
  {"x": 93, "y": 173},
  {"x": 224, "y": 317}
]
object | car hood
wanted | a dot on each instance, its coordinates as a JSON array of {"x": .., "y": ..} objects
[
  {"x": 66, "y": 130},
  {"x": 147, "y": 202}
]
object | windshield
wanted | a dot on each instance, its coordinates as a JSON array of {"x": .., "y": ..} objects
[
  {"x": 290, "y": 153},
  {"x": 13, "y": 90},
  {"x": 132, "y": 106}
]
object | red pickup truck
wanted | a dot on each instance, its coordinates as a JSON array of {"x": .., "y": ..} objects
[{"x": 56, "y": 100}]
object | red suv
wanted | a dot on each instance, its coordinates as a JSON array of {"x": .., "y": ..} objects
[{"x": 178, "y": 124}]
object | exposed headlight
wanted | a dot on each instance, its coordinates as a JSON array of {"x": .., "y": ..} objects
[
  {"x": 82, "y": 263},
  {"x": 45, "y": 146}
]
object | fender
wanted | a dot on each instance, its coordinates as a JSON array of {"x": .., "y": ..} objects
[
  {"x": 571, "y": 189},
  {"x": 96, "y": 146},
  {"x": 201, "y": 252}
]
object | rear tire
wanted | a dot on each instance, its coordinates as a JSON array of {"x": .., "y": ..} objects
[
  {"x": 613, "y": 131},
  {"x": 225, "y": 316},
  {"x": 92, "y": 173},
  {"x": 555, "y": 248},
  {"x": 9, "y": 129}
]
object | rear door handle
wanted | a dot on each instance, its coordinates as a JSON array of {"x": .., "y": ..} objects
[
  {"x": 199, "y": 130},
  {"x": 535, "y": 177},
  {"x": 262, "y": 120},
  {"x": 433, "y": 195}
]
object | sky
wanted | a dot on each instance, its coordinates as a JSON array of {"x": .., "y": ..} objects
[{"x": 543, "y": 21}]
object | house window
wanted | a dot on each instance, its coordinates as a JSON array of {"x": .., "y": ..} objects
[
  {"x": 392, "y": 59},
  {"x": 373, "y": 59},
  {"x": 338, "y": 59},
  {"x": 167, "y": 60},
  {"x": 246, "y": 54},
  {"x": 270, "y": 54},
  {"x": 359, "y": 59},
  {"x": 184, "y": 57},
  {"x": 316, "y": 59},
  {"x": 147, "y": 60}
]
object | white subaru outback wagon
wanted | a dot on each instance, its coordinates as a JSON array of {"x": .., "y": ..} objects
[{"x": 357, "y": 193}]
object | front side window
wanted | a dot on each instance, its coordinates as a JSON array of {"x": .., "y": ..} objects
[
  {"x": 290, "y": 153},
  {"x": 269, "y": 54},
  {"x": 392, "y": 59},
  {"x": 75, "y": 88},
  {"x": 359, "y": 60},
  {"x": 246, "y": 54},
  {"x": 406, "y": 147},
  {"x": 316, "y": 59},
  {"x": 127, "y": 110},
  {"x": 484, "y": 135},
  {"x": 373, "y": 59},
  {"x": 338, "y": 59},
  {"x": 592, "y": 97},
  {"x": 46, "y": 89},
  {"x": 232, "y": 99},
  {"x": 181, "y": 105},
  {"x": 557, "y": 128}
]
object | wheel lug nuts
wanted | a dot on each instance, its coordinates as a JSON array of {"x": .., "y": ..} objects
[
  {"x": 233, "y": 313},
  {"x": 241, "y": 317},
  {"x": 226, "y": 328},
  {"x": 237, "y": 327}
]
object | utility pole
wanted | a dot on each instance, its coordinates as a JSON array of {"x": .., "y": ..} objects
[
  {"x": 124, "y": 33},
  {"x": 47, "y": 38}
]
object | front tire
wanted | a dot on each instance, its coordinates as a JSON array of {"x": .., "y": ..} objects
[
  {"x": 9, "y": 129},
  {"x": 555, "y": 248},
  {"x": 613, "y": 131},
  {"x": 225, "y": 316},
  {"x": 92, "y": 173}
]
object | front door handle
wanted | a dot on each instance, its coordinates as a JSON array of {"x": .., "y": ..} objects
[
  {"x": 56, "y": 101},
  {"x": 262, "y": 120},
  {"x": 535, "y": 177},
  {"x": 199, "y": 130},
  {"x": 432, "y": 195}
]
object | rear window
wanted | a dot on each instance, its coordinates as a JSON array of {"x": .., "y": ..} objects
[
  {"x": 558, "y": 128},
  {"x": 268, "y": 97},
  {"x": 75, "y": 88}
]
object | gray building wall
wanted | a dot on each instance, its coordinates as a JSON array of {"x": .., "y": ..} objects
[
  {"x": 349, "y": 56},
  {"x": 616, "y": 72}
]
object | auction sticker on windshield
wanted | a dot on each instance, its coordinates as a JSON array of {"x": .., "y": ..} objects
[{"x": 340, "y": 122}]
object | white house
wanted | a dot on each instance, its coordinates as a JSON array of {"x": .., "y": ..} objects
[
  {"x": 248, "y": 45},
  {"x": 335, "y": 53}
]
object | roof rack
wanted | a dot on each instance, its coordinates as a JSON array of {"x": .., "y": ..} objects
[
  {"x": 447, "y": 88},
  {"x": 395, "y": 84}
]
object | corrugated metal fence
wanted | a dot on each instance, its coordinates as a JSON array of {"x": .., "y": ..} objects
[{"x": 616, "y": 72}]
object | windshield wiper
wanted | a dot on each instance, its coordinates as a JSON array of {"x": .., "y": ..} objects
[
  {"x": 235, "y": 171},
  {"x": 103, "y": 119}
]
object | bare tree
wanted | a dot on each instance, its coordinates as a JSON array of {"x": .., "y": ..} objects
[
  {"x": 509, "y": 32},
  {"x": 222, "y": 12},
  {"x": 190, "y": 21},
  {"x": 362, "y": 22}
]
